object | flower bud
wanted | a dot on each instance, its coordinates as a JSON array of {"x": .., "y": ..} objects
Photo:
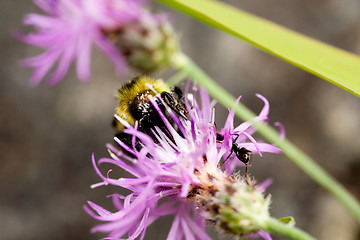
[
  {"x": 232, "y": 205},
  {"x": 148, "y": 43}
]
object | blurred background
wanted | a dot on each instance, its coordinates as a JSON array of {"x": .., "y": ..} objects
[{"x": 47, "y": 134}]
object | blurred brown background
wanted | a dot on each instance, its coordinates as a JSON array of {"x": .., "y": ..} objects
[{"x": 47, "y": 135}]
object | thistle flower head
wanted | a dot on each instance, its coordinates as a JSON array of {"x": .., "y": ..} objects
[
  {"x": 180, "y": 176},
  {"x": 68, "y": 28}
]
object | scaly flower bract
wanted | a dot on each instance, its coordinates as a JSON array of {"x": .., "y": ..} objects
[{"x": 169, "y": 173}]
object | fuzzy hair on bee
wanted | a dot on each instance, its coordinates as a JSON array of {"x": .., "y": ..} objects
[
  {"x": 133, "y": 102},
  {"x": 134, "y": 105}
]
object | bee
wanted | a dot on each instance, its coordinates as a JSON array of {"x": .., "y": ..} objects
[{"x": 134, "y": 105}]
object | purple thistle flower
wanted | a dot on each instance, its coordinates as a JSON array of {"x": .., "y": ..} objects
[
  {"x": 245, "y": 131},
  {"x": 180, "y": 176},
  {"x": 67, "y": 31}
]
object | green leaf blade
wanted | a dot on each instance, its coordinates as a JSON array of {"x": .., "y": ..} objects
[{"x": 332, "y": 64}]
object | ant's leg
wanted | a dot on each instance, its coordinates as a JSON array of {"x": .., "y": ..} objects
[
  {"x": 247, "y": 174},
  {"x": 244, "y": 156},
  {"x": 231, "y": 152},
  {"x": 237, "y": 136}
]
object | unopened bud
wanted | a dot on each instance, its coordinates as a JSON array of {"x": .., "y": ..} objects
[
  {"x": 232, "y": 205},
  {"x": 148, "y": 43}
]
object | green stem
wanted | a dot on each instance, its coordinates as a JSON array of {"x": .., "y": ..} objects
[
  {"x": 177, "y": 78},
  {"x": 274, "y": 226},
  {"x": 184, "y": 64}
]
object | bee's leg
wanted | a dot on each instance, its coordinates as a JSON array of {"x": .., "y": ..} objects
[
  {"x": 177, "y": 91},
  {"x": 168, "y": 99},
  {"x": 174, "y": 105}
]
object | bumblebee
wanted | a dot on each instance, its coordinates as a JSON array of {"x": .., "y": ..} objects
[{"x": 134, "y": 105}]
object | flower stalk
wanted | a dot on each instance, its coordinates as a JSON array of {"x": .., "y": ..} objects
[
  {"x": 304, "y": 162},
  {"x": 274, "y": 226}
]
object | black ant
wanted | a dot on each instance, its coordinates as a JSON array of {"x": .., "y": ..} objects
[{"x": 243, "y": 154}]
